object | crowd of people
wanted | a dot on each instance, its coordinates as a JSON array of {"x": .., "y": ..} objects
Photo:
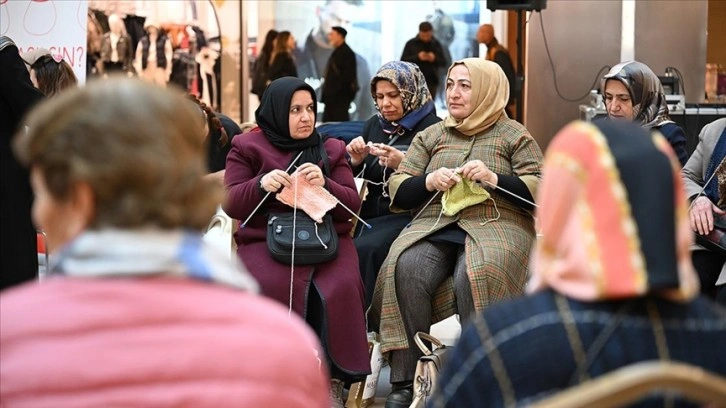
[{"x": 561, "y": 266}]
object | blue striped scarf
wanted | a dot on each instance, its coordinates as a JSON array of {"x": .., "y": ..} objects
[
  {"x": 711, "y": 190},
  {"x": 114, "y": 253}
]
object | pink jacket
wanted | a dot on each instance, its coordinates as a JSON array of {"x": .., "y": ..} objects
[{"x": 156, "y": 342}]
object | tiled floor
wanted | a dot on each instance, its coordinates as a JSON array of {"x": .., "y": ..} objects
[{"x": 447, "y": 331}]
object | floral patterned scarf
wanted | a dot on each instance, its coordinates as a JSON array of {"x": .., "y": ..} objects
[{"x": 411, "y": 84}]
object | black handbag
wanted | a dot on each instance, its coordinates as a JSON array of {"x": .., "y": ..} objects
[{"x": 314, "y": 243}]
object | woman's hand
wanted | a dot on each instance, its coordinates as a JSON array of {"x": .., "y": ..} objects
[
  {"x": 388, "y": 156},
  {"x": 702, "y": 215},
  {"x": 358, "y": 151},
  {"x": 312, "y": 173},
  {"x": 275, "y": 180},
  {"x": 442, "y": 179},
  {"x": 476, "y": 170}
]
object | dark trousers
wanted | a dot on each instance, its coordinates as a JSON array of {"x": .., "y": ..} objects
[
  {"x": 708, "y": 265},
  {"x": 373, "y": 245},
  {"x": 336, "y": 111},
  {"x": 419, "y": 272}
]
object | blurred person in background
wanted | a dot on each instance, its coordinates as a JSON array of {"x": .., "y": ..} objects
[
  {"x": 282, "y": 62},
  {"x": 18, "y": 245},
  {"x": 497, "y": 53},
  {"x": 426, "y": 51},
  {"x": 30, "y": 56},
  {"x": 218, "y": 132},
  {"x": 262, "y": 65},
  {"x": 314, "y": 53},
  {"x": 340, "y": 85},
  {"x": 51, "y": 74}
]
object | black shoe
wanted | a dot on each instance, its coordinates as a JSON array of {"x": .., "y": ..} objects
[{"x": 401, "y": 396}]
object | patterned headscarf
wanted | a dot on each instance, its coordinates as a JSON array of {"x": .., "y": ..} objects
[
  {"x": 613, "y": 214},
  {"x": 411, "y": 84},
  {"x": 650, "y": 108},
  {"x": 489, "y": 96}
]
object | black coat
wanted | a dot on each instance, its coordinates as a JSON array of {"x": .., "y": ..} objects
[
  {"x": 500, "y": 55},
  {"x": 341, "y": 83},
  {"x": 282, "y": 66},
  {"x": 260, "y": 74},
  {"x": 428, "y": 69},
  {"x": 313, "y": 58},
  {"x": 18, "y": 249},
  {"x": 216, "y": 154},
  {"x": 376, "y": 204}
]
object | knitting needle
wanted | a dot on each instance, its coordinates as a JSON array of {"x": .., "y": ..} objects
[
  {"x": 369, "y": 226},
  {"x": 512, "y": 194},
  {"x": 423, "y": 208},
  {"x": 269, "y": 192},
  {"x": 456, "y": 170}
]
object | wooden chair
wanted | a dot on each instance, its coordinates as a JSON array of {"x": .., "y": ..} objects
[{"x": 629, "y": 384}]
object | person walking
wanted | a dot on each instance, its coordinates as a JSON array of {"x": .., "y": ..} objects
[
  {"x": 341, "y": 83},
  {"x": 497, "y": 53},
  {"x": 426, "y": 51}
]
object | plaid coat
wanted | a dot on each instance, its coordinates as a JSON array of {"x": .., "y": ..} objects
[
  {"x": 496, "y": 253},
  {"x": 523, "y": 350}
]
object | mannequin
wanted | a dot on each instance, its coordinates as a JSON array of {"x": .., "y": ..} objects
[
  {"x": 154, "y": 55},
  {"x": 115, "y": 48},
  {"x": 206, "y": 58}
]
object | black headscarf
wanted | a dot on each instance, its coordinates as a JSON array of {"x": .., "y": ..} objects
[{"x": 273, "y": 117}]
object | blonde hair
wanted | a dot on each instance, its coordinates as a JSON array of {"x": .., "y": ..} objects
[{"x": 137, "y": 146}]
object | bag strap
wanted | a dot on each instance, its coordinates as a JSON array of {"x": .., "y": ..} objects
[
  {"x": 324, "y": 158},
  {"x": 421, "y": 336}
]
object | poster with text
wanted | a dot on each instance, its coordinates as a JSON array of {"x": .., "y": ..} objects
[{"x": 58, "y": 25}]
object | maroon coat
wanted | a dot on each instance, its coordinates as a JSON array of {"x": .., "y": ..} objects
[{"x": 337, "y": 281}]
